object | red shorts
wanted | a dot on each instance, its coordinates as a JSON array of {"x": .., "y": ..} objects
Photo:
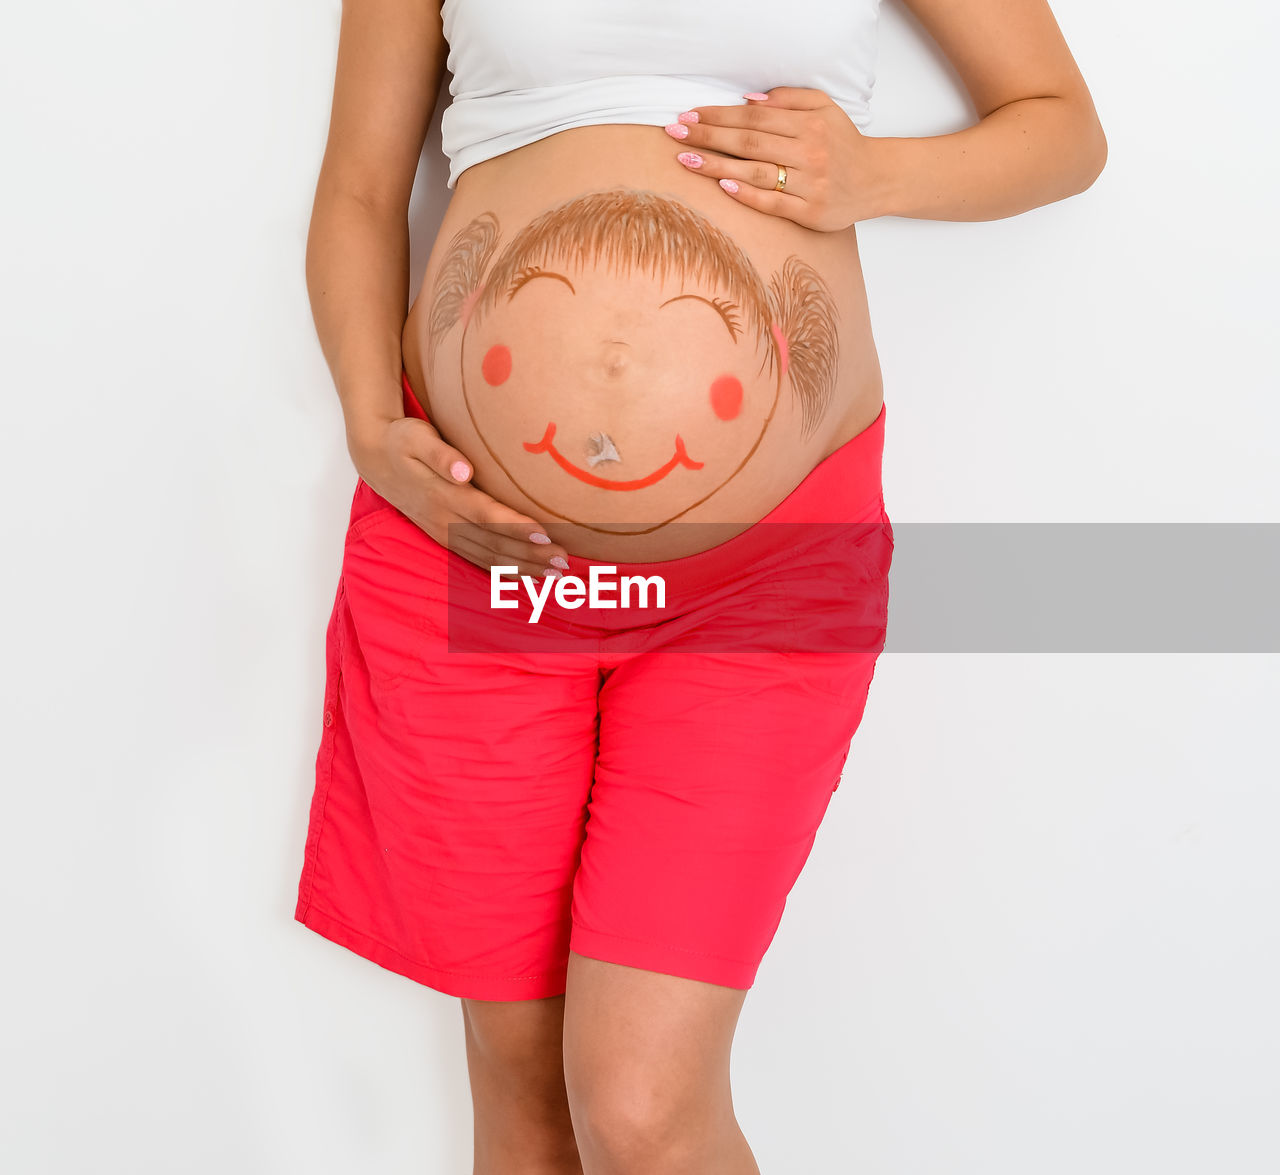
[{"x": 641, "y": 786}]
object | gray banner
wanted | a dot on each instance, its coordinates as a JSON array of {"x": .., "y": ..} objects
[{"x": 1084, "y": 588}]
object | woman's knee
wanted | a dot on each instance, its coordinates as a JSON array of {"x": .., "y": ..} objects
[
  {"x": 646, "y": 1063},
  {"x": 636, "y": 1124}
]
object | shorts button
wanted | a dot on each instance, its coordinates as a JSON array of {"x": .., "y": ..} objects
[{"x": 328, "y": 717}]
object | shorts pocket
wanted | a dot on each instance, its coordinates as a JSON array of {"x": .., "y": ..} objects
[
  {"x": 367, "y": 522},
  {"x": 834, "y": 599},
  {"x": 331, "y": 718},
  {"x": 368, "y": 510},
  {"x": 396, "y": 579},
  {"x": 871, "y": 548}
]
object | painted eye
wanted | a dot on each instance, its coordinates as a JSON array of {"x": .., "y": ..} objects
[
  {"x": 726, "y": 397},
  {"x": 496, "y": 365}
]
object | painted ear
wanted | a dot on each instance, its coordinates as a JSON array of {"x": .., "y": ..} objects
[
  {"x": 780, "y": 337},
  {"x": 807, "y": 332},
  {"x": 459, "y": 281}
]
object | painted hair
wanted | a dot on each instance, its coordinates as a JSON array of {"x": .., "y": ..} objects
[{"x": 631, "y": 230}]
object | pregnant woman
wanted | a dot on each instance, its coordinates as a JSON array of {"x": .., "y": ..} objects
[{"x": 641, "y": 361}]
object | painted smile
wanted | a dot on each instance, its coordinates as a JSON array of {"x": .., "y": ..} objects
[{"x": 679, "y": 457}]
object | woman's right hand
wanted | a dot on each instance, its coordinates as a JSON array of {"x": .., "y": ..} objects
[{"x": 406, "y": 462}]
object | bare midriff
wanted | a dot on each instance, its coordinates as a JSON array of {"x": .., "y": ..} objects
[{"x": 620, "y": 348}]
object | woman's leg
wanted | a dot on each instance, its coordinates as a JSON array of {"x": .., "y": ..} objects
[
  {"x": 713, "y": 775},
  {"x": 646, "y": 1063},
  {"x": 514, "y": 1058}
]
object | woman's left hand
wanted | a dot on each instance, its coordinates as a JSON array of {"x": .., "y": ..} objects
[{"x": 827, "y": 158}]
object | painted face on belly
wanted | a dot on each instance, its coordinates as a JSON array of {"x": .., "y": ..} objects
[
  {"x": 622, "y": 358},
  {"x": 615, "y": 400}
]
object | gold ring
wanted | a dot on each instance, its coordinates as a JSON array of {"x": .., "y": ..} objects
[{"x": 782, "y": 179}]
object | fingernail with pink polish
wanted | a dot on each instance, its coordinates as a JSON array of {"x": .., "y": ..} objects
[
  {"x": 460, "y": 471},
  {"x": 559, "y": 561},
  {"x": 550, "y": 573},
  {"x": 729, "y": 186},
  {"x": 677, "y": 130},
  {"x": 757, "y": 97},
  {"x": 688, "y": 116},
  {"x": 538, "y": 537},
  {"x": 690, "y": 158}
]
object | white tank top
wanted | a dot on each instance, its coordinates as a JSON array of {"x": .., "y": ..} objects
[{"x": 524, "y": 69}]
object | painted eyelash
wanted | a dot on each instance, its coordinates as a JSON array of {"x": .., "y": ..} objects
[
  {"x": 522, "y": 276},
  {"x": 728, "y": 310}
]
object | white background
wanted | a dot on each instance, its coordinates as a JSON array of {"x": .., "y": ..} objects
[{"x": 1038, "y": 930}]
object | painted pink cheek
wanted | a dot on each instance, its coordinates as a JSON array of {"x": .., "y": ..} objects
[
  {"x": 726, "y": 397},
  {"x": 496, "y": 365}
]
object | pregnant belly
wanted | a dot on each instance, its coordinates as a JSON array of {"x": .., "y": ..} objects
[{"x": 627, "y": 354}]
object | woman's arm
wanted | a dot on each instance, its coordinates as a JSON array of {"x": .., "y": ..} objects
[
  {"x": 1038, "y": 139},
  {"x": 391, "y": 57}
]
